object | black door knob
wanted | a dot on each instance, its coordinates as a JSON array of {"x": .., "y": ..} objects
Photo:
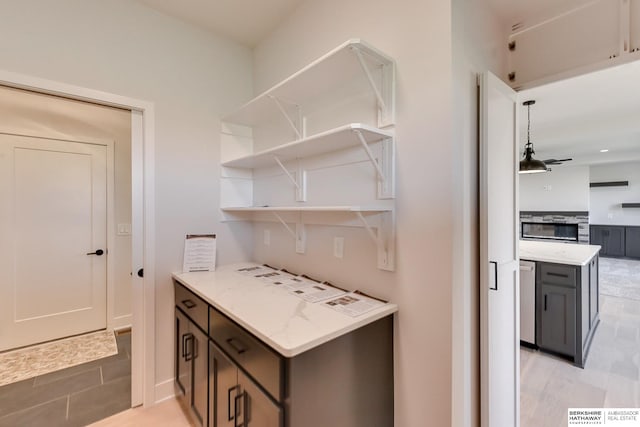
[{"x": 97, "y": 252}]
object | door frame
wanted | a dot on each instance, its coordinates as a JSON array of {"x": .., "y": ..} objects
[{"x": 143, "y": 218}]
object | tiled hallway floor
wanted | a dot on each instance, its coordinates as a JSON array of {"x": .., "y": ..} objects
[{"x": 75, "y": 396}]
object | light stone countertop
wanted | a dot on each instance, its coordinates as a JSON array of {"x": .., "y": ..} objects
[
  {"x": 559, "y": 253},
  {"x": 287, "y": 323}
]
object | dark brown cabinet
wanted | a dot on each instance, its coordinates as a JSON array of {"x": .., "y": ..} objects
[
  {"x": 234, "y": 398},
  {"x": 227, "y": 377},
  {"x": 191, "y": 366}
]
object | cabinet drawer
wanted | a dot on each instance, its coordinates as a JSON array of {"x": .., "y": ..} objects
[
  {"x": 556, "y": 274},
  {"x": 262, "y": 363},
  {"x": 192, "y": 305}
]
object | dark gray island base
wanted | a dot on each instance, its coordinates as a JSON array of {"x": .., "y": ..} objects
[{"x": 567, "y": 308}]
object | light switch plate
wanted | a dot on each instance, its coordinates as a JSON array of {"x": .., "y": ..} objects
[{"x": 124, "y": 229}]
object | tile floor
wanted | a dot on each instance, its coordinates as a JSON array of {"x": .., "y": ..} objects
[
  {"x": 75, "y": 396},
  {"x": 550, "y": 385},
  {"x": 37, "y": 360}
]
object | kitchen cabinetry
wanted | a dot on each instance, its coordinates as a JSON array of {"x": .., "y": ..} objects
[
  {"x": 558, "y": 319},
  {"x": 632, "y": 242},
  {"x": 235, "y": 351},
  {"x": 595, "y": 35},
  {"x": 325, "y": 127},
  {"x": 235, "y": 399},
  {"x": 611, "y": 238},
  {"x": 567, "y": 308},
  {"x": 191, "y": 353},
  {"x": 594, "y": 292},
  {"x": 616, "y": 240},
  {"x": 247, "y": 383}
]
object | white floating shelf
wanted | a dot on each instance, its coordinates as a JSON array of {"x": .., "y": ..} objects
[
  {"x": 309, "y": 209},
  {"x": 311, "y": 82},
  {"x": 332, "y": 140}
]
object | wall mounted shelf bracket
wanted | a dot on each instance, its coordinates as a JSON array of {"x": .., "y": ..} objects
[
  {"x": 300, "y": 183},
  {"x": 384, "y": 95},
  {"x": 300, "y": 234},
  {"x": 384, "y": 166},
  {"x": 384, "y": 238},
  {"x": 296, "y": 122}
]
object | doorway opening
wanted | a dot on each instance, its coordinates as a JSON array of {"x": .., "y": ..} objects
[
  {"x": 142, "y": 218},
  {"x": 590, "y": 123}
]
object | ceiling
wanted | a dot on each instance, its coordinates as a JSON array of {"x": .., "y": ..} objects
[
  {"x": 578, "y": 117},
  {"x": 244, "y": 21},
  {"x": 572, "y": 118}
]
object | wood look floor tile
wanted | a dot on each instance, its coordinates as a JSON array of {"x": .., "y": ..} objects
[
  {"x": 50, "y": 414},
  {"x": 167, "y": 413}
]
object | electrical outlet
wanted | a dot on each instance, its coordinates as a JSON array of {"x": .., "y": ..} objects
[
  {"x": 338, "y": 247},
  {"x": 266, "y": 238}
]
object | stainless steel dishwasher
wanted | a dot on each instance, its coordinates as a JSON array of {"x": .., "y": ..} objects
[{"x": 528, "y": 302}]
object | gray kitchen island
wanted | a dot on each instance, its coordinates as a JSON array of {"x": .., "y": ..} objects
[{"x": 567, "y": 299}]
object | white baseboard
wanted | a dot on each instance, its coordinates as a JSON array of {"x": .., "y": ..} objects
[
  {"x": 122, "y": 322},
  {"x": 165, "y": 390}
]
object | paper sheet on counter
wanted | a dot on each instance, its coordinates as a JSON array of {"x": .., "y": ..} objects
[
  {"x": 354, "y": 304},
  {"x": 312, "y": 291}
]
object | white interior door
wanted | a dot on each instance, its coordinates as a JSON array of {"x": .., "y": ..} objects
[
  {"x": 52, "y": 217},
  {"x": 499, "y": 293}
]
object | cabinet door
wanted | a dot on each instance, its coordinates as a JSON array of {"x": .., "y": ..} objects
[
  {"x": 595, "y": 236},
  {"x": 255, "y": 406},
  {"x": 183, "y": 364},
  {"x": 614, "y": 241},
  {"x": 632, "y": 242},
  {"x": 223, "y": 388},
  {"x": 200, "y": 373},
  {"x": 557, "y": 330},
  {"x": 594, "y": 286}
]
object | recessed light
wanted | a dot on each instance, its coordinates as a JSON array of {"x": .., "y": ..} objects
[{"x": 604, "y": 150}]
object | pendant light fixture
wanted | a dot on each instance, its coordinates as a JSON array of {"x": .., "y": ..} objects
[{"x": 529, "y": 164}]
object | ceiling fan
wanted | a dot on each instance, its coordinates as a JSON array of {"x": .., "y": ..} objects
[{"x": 556, "y": 161}]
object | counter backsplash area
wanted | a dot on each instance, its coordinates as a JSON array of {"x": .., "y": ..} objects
[{"x": 534, "y": 225}]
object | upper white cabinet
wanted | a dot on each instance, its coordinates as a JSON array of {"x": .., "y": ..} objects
[
  {"x": 318, "y": 147},
  {"x": 597, "y": 35}
]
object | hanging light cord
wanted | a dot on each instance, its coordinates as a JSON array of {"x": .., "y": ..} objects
[{"x": 529, "y": 128}]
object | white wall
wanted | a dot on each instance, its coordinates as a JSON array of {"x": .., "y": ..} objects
[
  {"x": 565, "y": 188},
  {"x": 605, "y": 201},
  {"x": 28, "y": 113},
  {"x": 418, "y": 35},
  {"x": 436, "y": 190},
  {"x": 478, "y": 46},
  {"x": 122, "y": 47}
]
